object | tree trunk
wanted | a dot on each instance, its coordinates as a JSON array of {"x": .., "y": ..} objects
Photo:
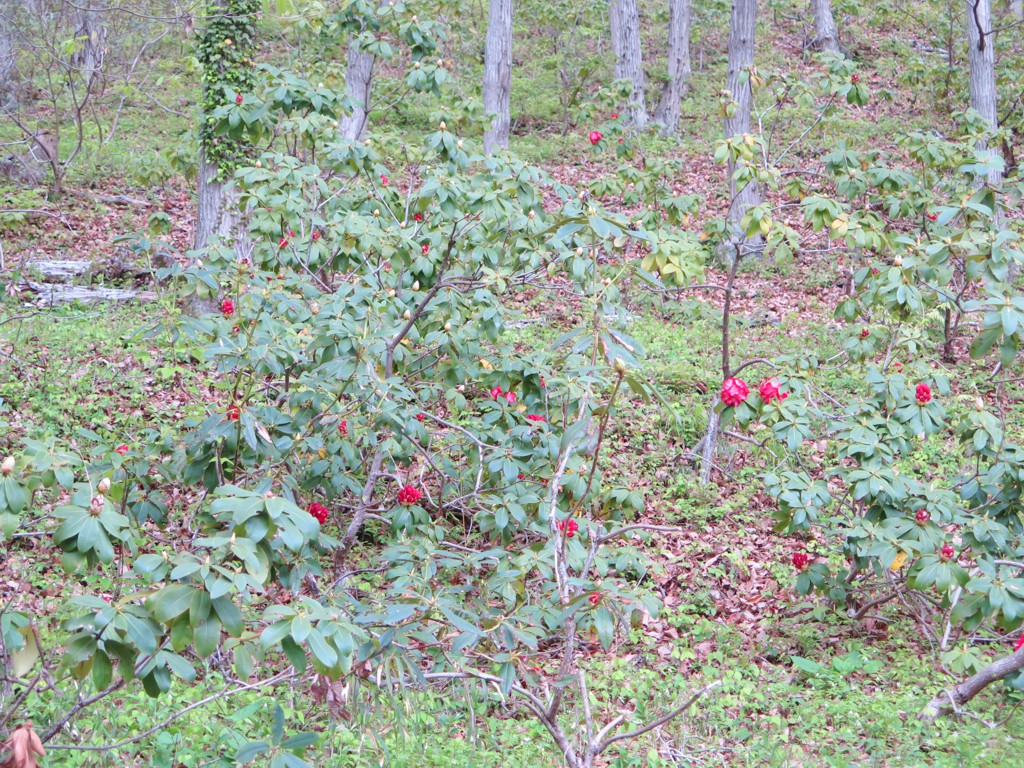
[
  {"x": 498, "y": 74},
  {"x": 667, "y": 115},
  {"x": 826, "y": 37},
  {"x": 8, "y": 87},
  {"x": 359, "y": 84},
  {"x": 1017, "y": 8},
  {"x": 90, "y": 43},
  {"x": 981, "y": 44},
  {"x": 625, "y": 28},
  {"x": 741, "y": 57},
  {"x": 950, "y": 701}
]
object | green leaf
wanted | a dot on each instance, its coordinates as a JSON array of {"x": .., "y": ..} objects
[
  {"x": 250, "y": 751},
  {"x": 604, "y": 622}
]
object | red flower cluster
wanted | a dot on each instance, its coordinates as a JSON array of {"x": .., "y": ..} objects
[
  {"x": 238, "y": 99},
  {"x": 615, "y": 115},
  {"x": 801, "y": 560},
  {"x": 343, "y": 428},
  {"x": 1020, "y": 643},
  {"x": 595, "y": 598},
  {"x": 420, "y": 416},
  {"x": 595, "y": 137},
  {"x": 496, "y": 393},
  {"x": 534, "y": 417},
  {"x": 384, "y": 180},
  {"x": 947, "y": 552},
  {"x": 854, "y": 78},
  {"x": 319, "y": 511},
  {"x": 234, "y": 412},
  {"x": 932, "y": 216},
  {"x": 316, "y": 235},
  {"x": 511, "y": 397},
  {"x": 864, "y": 333},
  {"x": 227, "y": 308},
  {"x": 769, "y": 390},
  {"x": 734, "y": 391},
  {"x": 425, "y": 248},
  {"x": 282, "y": 243},
  {"x": 409, "y": 495},
  {"x": 121, "y": 450},
  {"x": 569, "y": 528},
  {"x": 922, "y": 516},
  {"x": 924, "y": 394},
  {"x": 417, "y": 217}
]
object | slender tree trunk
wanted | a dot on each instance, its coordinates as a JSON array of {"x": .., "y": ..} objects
[
  {"x": 667, "y": 115},
  {"x": 359, "y": 84},
  {"x": 624, "y": 16},
  {"x": 741, "y": 57},
  {"x": 981, "y": 45},
  {"x": 8, "y": 88},
  {"x": 498, "y": 74},
  {"x": 826, "y": 36},
  {"x": 949, "y": 701},
  {"x": 1017, "y": 8}
]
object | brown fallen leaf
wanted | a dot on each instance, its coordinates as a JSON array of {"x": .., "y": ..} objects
[{"x": 24, "y": 745}]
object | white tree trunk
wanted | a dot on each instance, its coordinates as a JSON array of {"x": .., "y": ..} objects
[
  {"x": 981, "y": 45},
  {"x": 667, "y": 115},
  {"x": 498, "y": 74},
  {"x": 741, "y": 57},
  {"x": 8, "y": 88},
  {"x": 624, "y": 16},
  {"x": 1017, "y": 8},
  {"x": 826, "y": 36},
  {"x": 950, "y": 701},
  {"x": 359, "y": 84}
]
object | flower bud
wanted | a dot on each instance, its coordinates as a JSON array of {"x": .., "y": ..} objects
[
  {"x": 416, "y": 65},
  {"x": 259, "y": 164},
  {"x": 898, "y": 261},
  {"x": 447, "y": 326},
  {"x": 619, "y": 365},
  {"x": 104, "y": 487},
  {"x": 376, "y": 211},
  {"x": 319, "y": 85},
  {"x": 315, "y": 308},
  {"x": 96, "y": 505},
  {"x": 442, "y": 126},
  {"x": 406, "y": 315},
  {"x": 367, "y": 143},
  {"x": 459, "y": 144},
  {"x": 979, "y": 404},
  {"x": 416, "y": 285},
  {"x": 7, "y": 467},
  {"x": 531, "y": 215},
  {"x": 391, "y": 293}
]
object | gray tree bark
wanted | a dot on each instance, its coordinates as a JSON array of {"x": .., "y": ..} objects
[
  {"x": 742, "y": 27},
  {"x": 1017, "y": 9},
  {"x": 359, "y": 84},
  {"x": 981, "y": 46},
  {"x": 950, "y": 701},
  {"x": 498, "y": 74},
  {"x": 90, "y": 42},
  {"x": 826, "y": 36},
  {"x": 667, "y": 114},
  {"x": 8, "y": 87},
  {"x": 624, "y": 16}
]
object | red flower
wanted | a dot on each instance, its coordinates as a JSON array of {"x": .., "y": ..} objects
[
  {"x": 864, "y": 333},
  {"x": 319, "y": 511},
  {"x": 595, "y": 598},
  {"x": 874, "y": 270},
  {"x": 947, "y": 552},
  {"x": 290, "y": 233},
  {"x": 734, "y": 391},
  {"x": 568, "y": 527},
  {"x": 854, "y": 78},
  {"x": 236, "y": 329},
  {"x": 898, "y": 367},
  {"x": 282, "y": 243},
  {"x": 1020, "y": 642},
  {"x": 534, "y": 417},
  {"x": 233, "y": 413},
  {"x": 932, "y": 216},
  {"x": 543, "y": 383},
  {"x": 924, "y": 394},
  {"x": 769, "y": 390},
  {"x": 521, "y": 476},
  {"x": 425, "y": 248},
  {"x": 496, "y": 393},
  {"x": 595, "y": 137},
  {"x": 121, "y": 449},
  {"x": 417, "y": 217},
  {"x": 343, "y": 428},
  {"x": 227, "y": 308},
  {"x": 316, "y": 235},
  {"x": 922, "y": 516},
  {"x": 409, "y": 495},
  {"x": 238, "y": 99},
  {"x": 420, "y": 416},
  {"x": 511, "y": 397},
  {"x": 615, "y": 115},
  {"x": 383, "y": 180},
  {"x": 801, "y": 560}
]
